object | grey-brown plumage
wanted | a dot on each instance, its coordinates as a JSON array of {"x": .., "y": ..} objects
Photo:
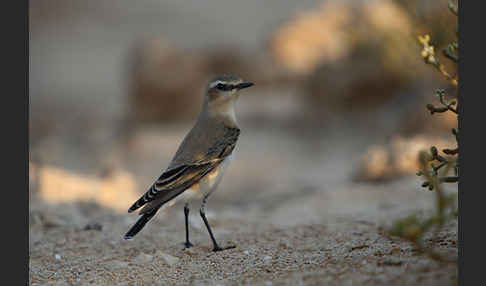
[{"x": 202, "y": 156}]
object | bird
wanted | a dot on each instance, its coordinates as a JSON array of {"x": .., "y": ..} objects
[{"x": 199, "y": 163}]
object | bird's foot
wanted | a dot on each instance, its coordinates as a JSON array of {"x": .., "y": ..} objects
[
  {"x": 218, "y": 248},
  {"x": 187, "y": 245}
]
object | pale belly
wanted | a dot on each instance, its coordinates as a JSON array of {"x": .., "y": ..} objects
[{"x": 206, "y": 185}]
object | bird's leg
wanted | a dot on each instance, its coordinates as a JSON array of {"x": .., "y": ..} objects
[
  {"x": 203, "y": 216},
  {"x": 187, "y": 244}
]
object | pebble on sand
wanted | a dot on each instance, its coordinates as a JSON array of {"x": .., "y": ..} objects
[
  {"x": 169, "y": 259},
  {"x": 143, "y": 258}
]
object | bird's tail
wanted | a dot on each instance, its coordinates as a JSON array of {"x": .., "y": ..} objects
[{"x": 140, "y": 224}]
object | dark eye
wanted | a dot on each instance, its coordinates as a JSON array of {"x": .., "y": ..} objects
[{"x": 220, "y": 86}]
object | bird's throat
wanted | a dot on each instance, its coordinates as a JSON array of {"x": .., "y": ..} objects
[{"x": 224, "y": 109}]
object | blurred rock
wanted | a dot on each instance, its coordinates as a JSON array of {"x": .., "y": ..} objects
[
  {"x": 351, "y": 55},
  {"x": 399, "y": 157},
  {"x": 312, "y": 38},
  {"x": 337, "y": 29},
  {"x": 61, "y": 186}
]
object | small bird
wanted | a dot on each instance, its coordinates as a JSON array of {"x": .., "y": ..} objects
[{"x": 198, "y": 165}]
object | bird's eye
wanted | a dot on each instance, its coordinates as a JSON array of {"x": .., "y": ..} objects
[{"x": 220, "y": 86}]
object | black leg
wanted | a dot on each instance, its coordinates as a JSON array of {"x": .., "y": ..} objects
[
  {"x": 215, "y": 244},
  {"x": 187, "y": 244}
]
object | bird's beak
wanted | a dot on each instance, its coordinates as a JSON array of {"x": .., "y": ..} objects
[{"x": 244, "y": 85}]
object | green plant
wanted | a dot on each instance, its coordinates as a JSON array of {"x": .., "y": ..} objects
[{"x": 436, "y": 168}]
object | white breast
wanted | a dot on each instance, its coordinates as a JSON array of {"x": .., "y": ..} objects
[{"x": 211, "y": 181}]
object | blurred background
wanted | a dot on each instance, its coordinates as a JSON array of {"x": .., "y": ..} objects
[{"x": 331, "y": 129}]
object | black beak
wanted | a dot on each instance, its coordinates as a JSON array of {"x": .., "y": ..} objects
[{"x": 244, "y": 85}]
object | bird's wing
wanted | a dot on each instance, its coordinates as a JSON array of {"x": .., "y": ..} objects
[{"x": 177, "y": 179}]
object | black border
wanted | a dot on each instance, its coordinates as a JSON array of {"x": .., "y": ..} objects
[
  {"x": 15, "y": 105},
  {"x": 461, "y": 187},
  {"x": 471, "y": 193}
]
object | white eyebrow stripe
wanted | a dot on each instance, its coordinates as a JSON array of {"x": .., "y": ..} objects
[{"x": 215, "y": 83}]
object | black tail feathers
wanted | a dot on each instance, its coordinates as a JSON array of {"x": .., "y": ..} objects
[
  {"x": 140, "y": 224},
  {"x": 140, "y": 202}
]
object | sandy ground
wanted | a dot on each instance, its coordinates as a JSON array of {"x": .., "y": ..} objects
[
  {"x": 354, "y": 254},
  {"x": 296, "y": 217}
]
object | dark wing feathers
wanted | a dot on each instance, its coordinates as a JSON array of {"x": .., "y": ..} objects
[
  {"x": 169, "y": 194},
  {"x": 176, "y": 180}
]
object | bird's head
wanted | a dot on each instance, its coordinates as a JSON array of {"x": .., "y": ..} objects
[
  {"x": 225, "y": 88},
  {"x": 222, "y": 92}
]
